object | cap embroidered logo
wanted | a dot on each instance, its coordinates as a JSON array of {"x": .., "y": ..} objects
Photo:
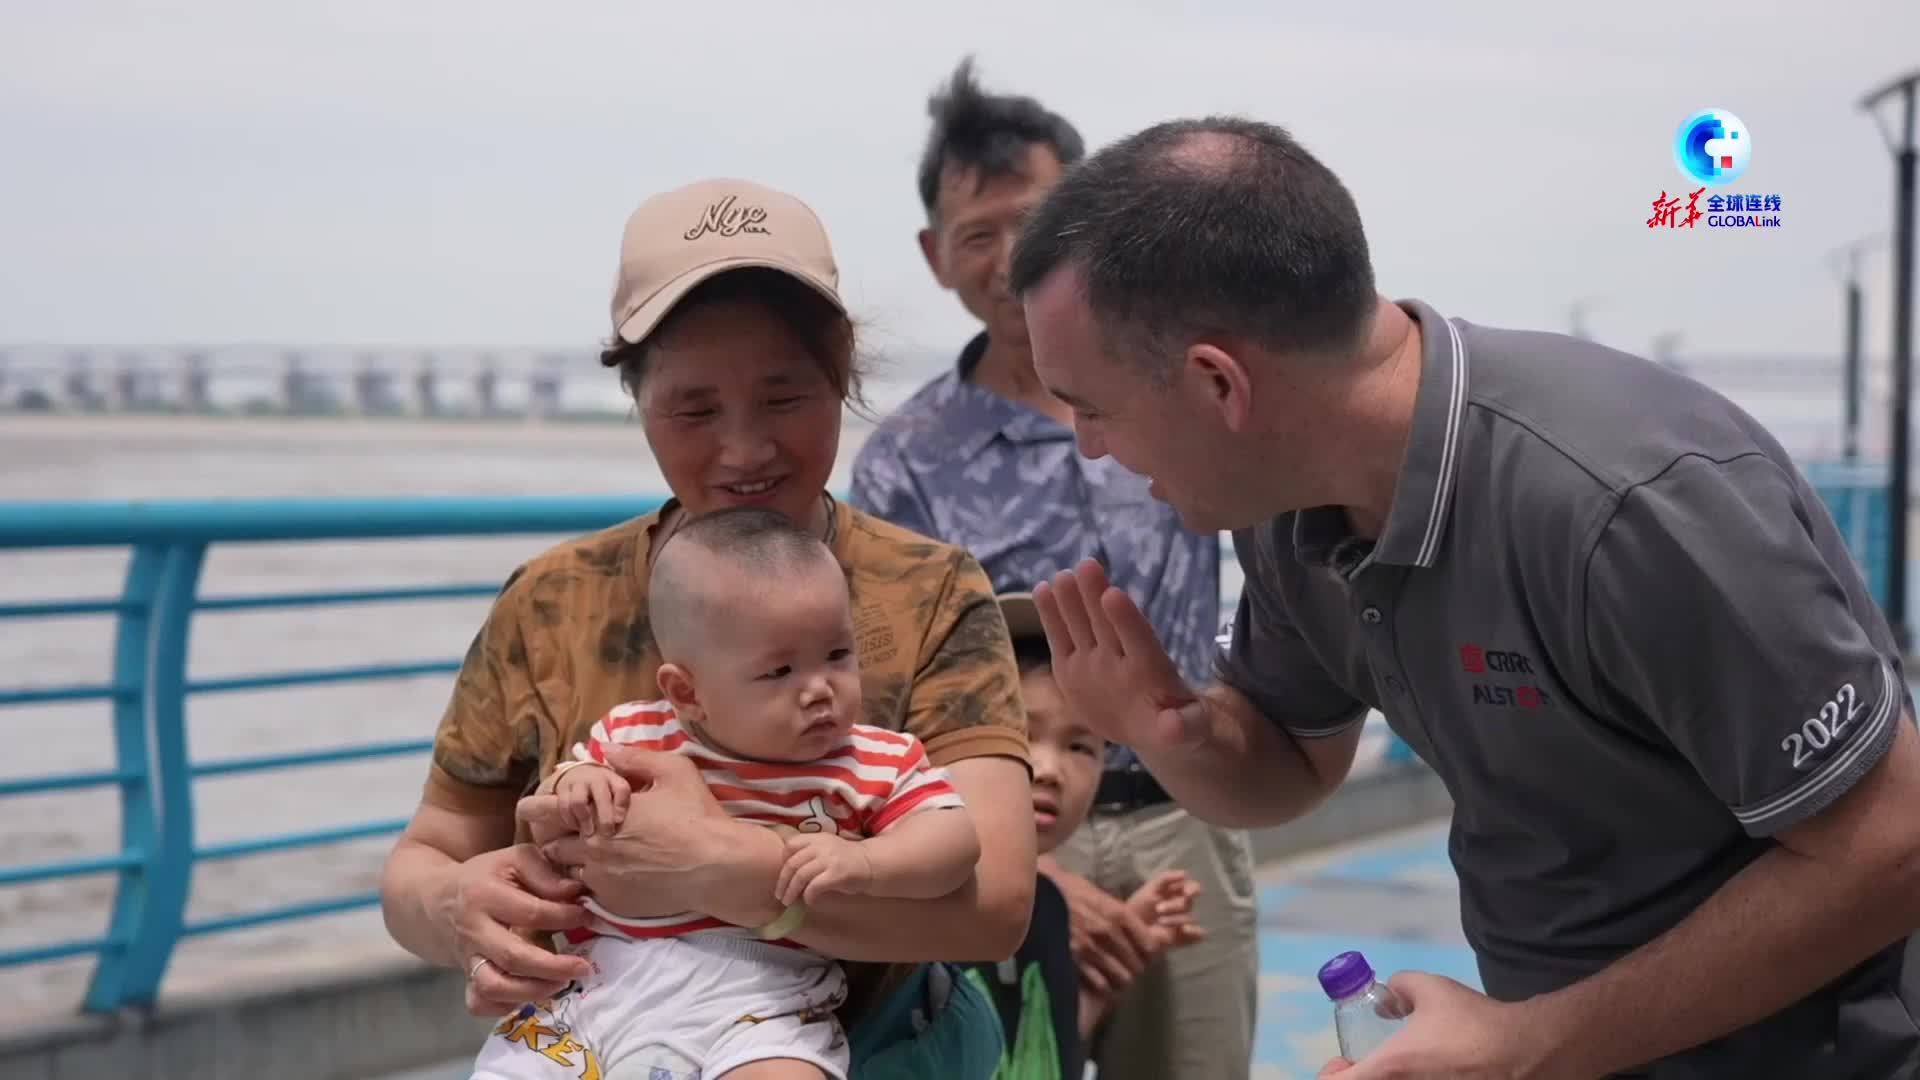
[{"x": 728, "y": 219}]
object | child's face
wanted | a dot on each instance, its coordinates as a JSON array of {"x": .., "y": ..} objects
[
  {"x": 1067, "y": 760},
  {"x": 777, "y": 677}
]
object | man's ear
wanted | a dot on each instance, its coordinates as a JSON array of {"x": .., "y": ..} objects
[
  {"x": 1220, "y": 379},
  {"x": 677, "y": 684},
  {"x": 930, "y": 250}
]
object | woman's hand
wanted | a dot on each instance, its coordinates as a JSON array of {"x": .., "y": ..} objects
[
  {"x": 677, "y": 850},
  {"x": 493, "y": 894}
]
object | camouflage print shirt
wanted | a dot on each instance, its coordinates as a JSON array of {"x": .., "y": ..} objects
[{"x": 962, "y": 464}]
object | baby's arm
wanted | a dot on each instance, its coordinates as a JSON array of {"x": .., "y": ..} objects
[
  {"x": 594, "y": 797},
  {"x": 924, "y": 856},
  {"x": 587, "y": 789},
  {"x": 922, "y": 843}
]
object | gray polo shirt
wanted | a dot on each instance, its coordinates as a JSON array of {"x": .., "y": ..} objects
[{"x": 1610, "y": 613}]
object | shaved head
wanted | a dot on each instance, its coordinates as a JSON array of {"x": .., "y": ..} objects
[{"x": 717, "y": 560}]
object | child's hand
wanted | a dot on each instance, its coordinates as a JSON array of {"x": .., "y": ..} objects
[
  {"x": 820, "y": 863},
  {"x": 1165, "y": 903},
  {"x": 594, "y": 797}
]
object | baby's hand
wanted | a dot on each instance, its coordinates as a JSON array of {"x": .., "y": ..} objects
[
  {"x": 1165, "y": 903},
  {"x": 820, "y": 863},
  {"x": 595, "y": 797}
]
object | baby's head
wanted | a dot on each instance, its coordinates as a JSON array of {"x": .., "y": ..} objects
[
  {"x": 753, "y": 622},
  {"x": 1067, "y": 755}
]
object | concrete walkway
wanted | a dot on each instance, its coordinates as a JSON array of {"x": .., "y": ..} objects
[{"x": 1392, "y": 897}]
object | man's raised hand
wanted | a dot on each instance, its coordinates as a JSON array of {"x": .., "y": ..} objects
[{"x": 1110, "y": 665}]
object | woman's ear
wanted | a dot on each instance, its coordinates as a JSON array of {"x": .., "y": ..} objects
[{"x": 677, "y": 684}]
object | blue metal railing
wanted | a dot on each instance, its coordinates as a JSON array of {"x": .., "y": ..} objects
[{"x": 150, "y": 684}]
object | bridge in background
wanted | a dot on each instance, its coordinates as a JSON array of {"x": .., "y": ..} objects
[
  {"x": 309, "y": 381},
  {"x": 1799, "y": 397}
]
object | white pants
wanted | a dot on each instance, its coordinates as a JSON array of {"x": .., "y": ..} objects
[{"x": 684, "y": 1008}]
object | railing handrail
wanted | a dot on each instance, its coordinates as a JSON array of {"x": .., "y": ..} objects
[{"x": 76, "y": 523}]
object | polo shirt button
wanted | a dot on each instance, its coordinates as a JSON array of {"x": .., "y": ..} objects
[{"x": 1371, "y": 614}]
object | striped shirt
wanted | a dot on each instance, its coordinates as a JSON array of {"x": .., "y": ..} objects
[{"x": 873, "y": 778}]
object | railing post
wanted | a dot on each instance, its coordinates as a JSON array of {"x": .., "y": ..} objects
[
  {"x": 132, "y": 648},
  {"x": 154, "y": 926}
]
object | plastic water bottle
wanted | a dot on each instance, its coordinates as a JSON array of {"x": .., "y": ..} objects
[{"x": 1365, "y": 1011}]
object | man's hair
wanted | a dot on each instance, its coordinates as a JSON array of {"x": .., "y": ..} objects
[
  {"x": 987, "y": 135},
  {"x": 1215, "y": 226},
  {"x": 740, "y": 542}
]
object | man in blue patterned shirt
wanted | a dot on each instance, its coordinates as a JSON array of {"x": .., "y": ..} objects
[{"x": 984, "y": 456}]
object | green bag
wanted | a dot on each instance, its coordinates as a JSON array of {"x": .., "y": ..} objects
[
  {"x": 1035, "y": 1053},
  {"x": 935, "y": 1027}
]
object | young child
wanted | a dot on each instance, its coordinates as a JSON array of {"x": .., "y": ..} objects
[
  {"x": 1047, "y": 1011},
  {"x": 762, "y": 691}
]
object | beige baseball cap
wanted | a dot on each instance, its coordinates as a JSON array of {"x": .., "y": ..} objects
[{"x": 680, "y": 238}]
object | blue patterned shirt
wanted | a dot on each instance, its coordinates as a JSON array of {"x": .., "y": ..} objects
[{"x": 961, "y": 464}]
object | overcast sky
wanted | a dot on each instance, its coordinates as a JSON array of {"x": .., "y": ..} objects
[{"x": 457, "y": 172}]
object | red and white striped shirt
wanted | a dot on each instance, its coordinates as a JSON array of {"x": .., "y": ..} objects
[{"x": 873, "y": 778}]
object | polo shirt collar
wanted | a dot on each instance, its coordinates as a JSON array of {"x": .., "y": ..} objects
[
  {"x": 1423, "y": 494},
  {"x": 982, "y": 414}
]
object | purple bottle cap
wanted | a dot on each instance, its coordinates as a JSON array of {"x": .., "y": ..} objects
[{"x": 1345, "y": 975}]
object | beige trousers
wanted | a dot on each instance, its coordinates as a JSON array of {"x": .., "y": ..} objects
[{"x": 1190, "y": 1015}]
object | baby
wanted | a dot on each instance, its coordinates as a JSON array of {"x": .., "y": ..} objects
[{"x": 761, "y": 689}]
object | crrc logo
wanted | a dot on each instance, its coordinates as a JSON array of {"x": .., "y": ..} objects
[{"x": 1476, "y": 660}]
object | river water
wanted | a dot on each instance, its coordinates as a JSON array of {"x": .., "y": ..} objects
[{"x": 55, "y": 457}]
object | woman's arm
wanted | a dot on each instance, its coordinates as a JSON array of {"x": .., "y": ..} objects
[
  {"x": 417, "y": 882},
  {"x": 454, "y": 894},
  {"x": 456, "y": 890}
]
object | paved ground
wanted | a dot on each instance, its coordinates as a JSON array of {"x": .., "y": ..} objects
[{"x": 1393, "y": 898}]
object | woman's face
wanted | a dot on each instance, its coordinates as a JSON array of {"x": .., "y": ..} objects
[{"x": 738, "y": 412}]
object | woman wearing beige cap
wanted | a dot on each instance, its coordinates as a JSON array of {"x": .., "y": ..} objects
[{"x": 738, "y": 352}]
